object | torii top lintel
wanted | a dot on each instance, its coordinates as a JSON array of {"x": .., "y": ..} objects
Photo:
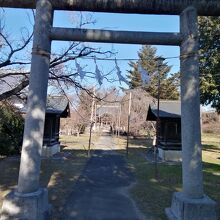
[{"x": 166, "y": 7}]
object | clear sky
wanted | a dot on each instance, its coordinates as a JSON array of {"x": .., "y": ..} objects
[{"x": 15, "y": 19}]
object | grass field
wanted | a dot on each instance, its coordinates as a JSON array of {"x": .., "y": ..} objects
[
  {"x": 58, "y": 174},
  {"x": 81, "y": 142},
  {"x": 211, "y": 148},
  {"x": 154, "y": 195}
]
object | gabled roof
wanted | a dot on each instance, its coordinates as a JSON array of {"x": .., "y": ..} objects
[
  {"x": 58, "y": 105},
  {"x": 167, "y": 109}
]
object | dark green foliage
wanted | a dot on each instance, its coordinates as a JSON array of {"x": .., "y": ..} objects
[
  {"x": 11, "y": 130},
  {"x": 169, "y": 83},
  {"x": 209, "y": 28}
]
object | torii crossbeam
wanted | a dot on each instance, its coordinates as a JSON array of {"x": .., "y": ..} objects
[
  {"x": 168, "y": 7},
  {"x": 29, "y": 201}
]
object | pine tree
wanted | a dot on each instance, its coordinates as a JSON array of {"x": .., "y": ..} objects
[
  {"x": 209, "y": 28},
  {"x": 148, "y": 60}
]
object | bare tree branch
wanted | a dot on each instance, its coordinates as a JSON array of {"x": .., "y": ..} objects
[
  {"x": 8, "y": 62},
  {"x": 3, "y": 75},
  {"x": 62, "y": 75},
  {"x": 15, "y": 90}
]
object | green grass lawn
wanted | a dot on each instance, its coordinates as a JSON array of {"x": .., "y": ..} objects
[
  {"x": 211, "y": 148},
  {"x": 58, "y": 175},
  {"x": 154, "y": 195},
  {"x": 81, "y": 142},
  {"x": 209, "y": 137}
]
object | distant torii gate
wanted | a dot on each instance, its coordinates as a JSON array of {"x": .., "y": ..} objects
[
  {"x": 30, "y": 201},
  {"x": 113, "y": 110}
]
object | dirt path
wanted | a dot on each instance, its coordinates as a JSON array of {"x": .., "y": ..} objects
[
  {"x": 105, "y": 143},
  {"x": 101, "y": 192}
]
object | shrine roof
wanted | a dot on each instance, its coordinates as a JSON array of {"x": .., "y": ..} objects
[
  {"x": 167, "y": 109},
  {"x": 58, "y": 105}
]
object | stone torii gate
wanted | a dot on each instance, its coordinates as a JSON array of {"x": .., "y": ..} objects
[{"x": 29, "y": 201}]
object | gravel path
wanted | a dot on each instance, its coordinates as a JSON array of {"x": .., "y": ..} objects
[
  {"x": 105, "y": 143},
  {"x": 101, "y": 192}
]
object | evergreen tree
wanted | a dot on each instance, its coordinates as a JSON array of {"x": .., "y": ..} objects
[
  {"x": 148, "y": 60},
  {"x": 11, "y": 129},
  {"x": 209, "y": 28}
]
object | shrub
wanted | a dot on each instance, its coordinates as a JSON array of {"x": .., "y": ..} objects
[
  {"x": 210, "y": 117},
  {"x": 11, "y": 129},
  {"x": 213, "y": 128},
  {"x": 210, "y": 122}
]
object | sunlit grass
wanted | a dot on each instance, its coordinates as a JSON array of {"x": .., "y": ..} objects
[
  {"x": 81, "y": 142},
  {"x": 208, "y": 137},
  {"x": 211, "y": 148},
  {"x": 154, "y": 195},
  {"x": 132, "y": 142},
  {"x": 58, "y": 175}
]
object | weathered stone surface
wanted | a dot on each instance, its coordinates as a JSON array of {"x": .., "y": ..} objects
[
  {"x": 191, "y": 204},
  {"x": 171, "y": 7},
  {"x": 49, "y": 151},
  {"x": 170, "y": 155},
  {"x": 184, "y": 208},
  {"x": 29, "y": 201},
  {"x": 29, "y": 172},
  {"x": 190, "y": 106},
  {"x": 30, "y": 206},
  {"x": 110, "y": 36}
]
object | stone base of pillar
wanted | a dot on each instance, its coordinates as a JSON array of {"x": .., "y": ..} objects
[
  {"x": 183, "y": 208},
  {"x": 49, "y": 151},
  {"x": 30, "y": 206}
]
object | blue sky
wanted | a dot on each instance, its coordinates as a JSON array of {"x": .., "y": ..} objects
[{"x": 15, "y": 19}]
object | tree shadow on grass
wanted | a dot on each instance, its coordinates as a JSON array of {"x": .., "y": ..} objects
[
  {"x": 154, "y": 195},
  {"x": 8, "y": 176},
  {"x": 58, "y": 174},
  {"x": 61, "y": 173},
  {"x": 139, "y": 141},
  {"x": 210, "y": 147},
  {"x": 211, "y": 180}
]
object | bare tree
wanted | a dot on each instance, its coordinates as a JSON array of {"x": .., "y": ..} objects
[
  {"x": 15, "y": 64},
  {"x": 139, "y": 105},
  {"x": 81, "y": 110},
  {"x": 80, "y": 104}
]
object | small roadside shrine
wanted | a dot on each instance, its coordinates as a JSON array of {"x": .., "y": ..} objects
[
  {"x": 169, "y": 134},
  {"x": 57, "y": 107}
]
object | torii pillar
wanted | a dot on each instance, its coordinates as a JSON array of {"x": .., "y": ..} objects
[
  {"x": 191, "y": 203},
  {"x": 29, "y": 201}
]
